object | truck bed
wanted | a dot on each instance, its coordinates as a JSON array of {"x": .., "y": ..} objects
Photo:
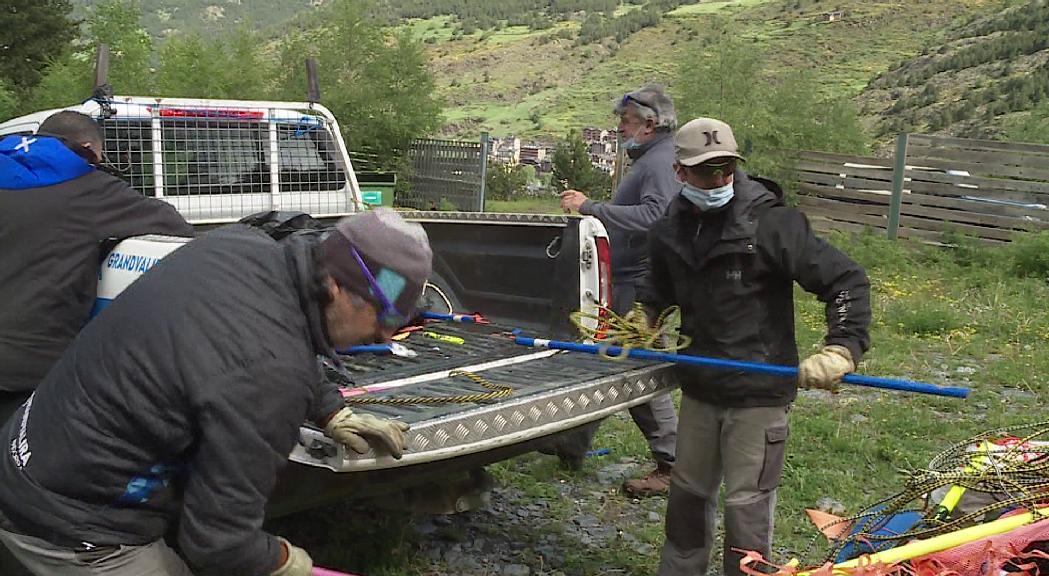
[{"x": 552, "y": 392}]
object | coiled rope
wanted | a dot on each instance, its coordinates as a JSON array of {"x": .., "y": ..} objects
[
  {"x": 632, "y": 330},
  {"x": 1015, "y": 476}
]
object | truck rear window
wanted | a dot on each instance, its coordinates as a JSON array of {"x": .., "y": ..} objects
[{"x": 222, "y": 156}]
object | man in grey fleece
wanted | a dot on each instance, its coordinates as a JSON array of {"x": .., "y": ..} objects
[{"x": 646, "y": 123}]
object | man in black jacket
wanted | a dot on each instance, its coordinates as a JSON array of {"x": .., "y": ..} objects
[
  {"x": 56, "y": 212},
  {"x": 181, "y": 402},
  {"x": 728, "y": 252}
]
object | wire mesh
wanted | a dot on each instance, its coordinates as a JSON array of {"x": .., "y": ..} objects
[
  {"x": 223, "y": 162},
  {"x": 446, "y": 174}
]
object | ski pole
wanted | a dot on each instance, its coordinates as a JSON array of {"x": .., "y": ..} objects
[{"x": 756, "y": 367}]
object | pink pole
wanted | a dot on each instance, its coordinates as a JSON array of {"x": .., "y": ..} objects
[{"x": 325, "y": 572}]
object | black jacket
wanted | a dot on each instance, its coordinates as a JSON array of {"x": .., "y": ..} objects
[
  {"x": 180, "y": 402},
  {"x": 56, "y": 212},
  {"x": 737, "y": 296}
]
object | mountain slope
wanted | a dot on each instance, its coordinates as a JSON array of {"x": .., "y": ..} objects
[
  {"x": 523, "y": 81},
  {"x": 973, "y": 84}
]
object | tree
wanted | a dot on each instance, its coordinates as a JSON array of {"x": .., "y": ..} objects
[
  {"x": 505, "y": 181},
  {"x": 8, "y": 102},
  {"x": 117, "y": 24},
  {"x": 32, "y": 33},
  {"x": 1030, "y": 127},
  {"x": 573, "y": 169},
  {"x": 68, "y": 79},
  {"x": 771, "y": 119},
  {"x": 233, "y": 67},
  {"x": 376, "y": 83}
]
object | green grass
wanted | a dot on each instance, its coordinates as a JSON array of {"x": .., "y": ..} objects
[
  {"x": 712, "y": 7},
  {"x": 543, "y": 205}
]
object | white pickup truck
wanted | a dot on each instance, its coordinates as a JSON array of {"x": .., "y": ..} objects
[{"x": 218, "y": 161}]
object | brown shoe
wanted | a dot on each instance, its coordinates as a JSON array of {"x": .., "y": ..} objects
[{"x": 655, "y": 483}]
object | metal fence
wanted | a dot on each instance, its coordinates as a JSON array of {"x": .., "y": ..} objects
[{"x": 446, "y": 175}]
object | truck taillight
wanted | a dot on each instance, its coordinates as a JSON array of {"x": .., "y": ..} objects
[
  {"x": 604, "y": 280},
  {"x": 211, "y": 113}
]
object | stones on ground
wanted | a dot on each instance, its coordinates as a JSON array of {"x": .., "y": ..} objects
[
  {"x": 830, "y": 506},
  {"x": 655, "y": 517},
  {"x": 516, "y": 570}
]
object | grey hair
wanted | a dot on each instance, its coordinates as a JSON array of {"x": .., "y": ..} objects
[{"x": 650, "y": 102}]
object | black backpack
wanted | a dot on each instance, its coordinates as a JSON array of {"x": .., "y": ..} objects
[{"x": 281, "y": 224}]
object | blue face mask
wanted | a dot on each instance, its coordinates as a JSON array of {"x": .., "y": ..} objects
[{"x": 708, "y": 199}]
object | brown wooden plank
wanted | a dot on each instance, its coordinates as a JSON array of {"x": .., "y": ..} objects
[
  {"x": 989, "y": 170},
  {"x": 940, "y": 225},
  {"x": 832, "y": 158},
  {"x": 824, "y": 168},
  {"x": 824, "y": 225},
  {"x": 970, "y": 217},
  {"x": 845, "y": 194},
  {"x": 938, "y": 189},
  {"x": 844, "y": 208},
  {"x": 818, "y": 178},
  {"x": 983, "y": 157},
  {"x": 979, "y": 181},
  {"x": 929, "y": 140},
  {"x": 924, "y": 199},
  {"x": 974, "y": 206},
  {"x": 934, "y": 237},
  {"x": 846, "y": 216}
]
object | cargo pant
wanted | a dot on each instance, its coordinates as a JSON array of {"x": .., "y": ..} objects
[
  {"x": 743, "y": 446},
  {"x": 657, "y": 419},
  {"x": 45, "y": 559}
]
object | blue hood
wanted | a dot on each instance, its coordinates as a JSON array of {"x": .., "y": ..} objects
[{"x": 37, "y": 161}]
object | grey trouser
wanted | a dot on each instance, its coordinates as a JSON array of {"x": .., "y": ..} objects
[
  {"x": 656, "y": 419},
  {"x": 45, "y": 559},
  {"x": 743, "y": 446}
]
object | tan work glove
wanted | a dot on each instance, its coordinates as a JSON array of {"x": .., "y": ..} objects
[
  {"x": 299, "y": 562},
  {"x": 825, "y": 368},
  {"x": 361, "y": 431}
]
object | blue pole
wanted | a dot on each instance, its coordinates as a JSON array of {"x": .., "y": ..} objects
[
  {"x": 469, "y": 318},
  {"x": 787, "y": 371}
]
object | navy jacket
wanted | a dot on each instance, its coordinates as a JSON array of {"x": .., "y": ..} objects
[
  {"x": 177, "y": 405},
  {"x": 56, "y": 214}
]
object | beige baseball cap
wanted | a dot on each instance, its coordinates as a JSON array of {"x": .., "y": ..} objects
[{"x": 704, "y": 139}]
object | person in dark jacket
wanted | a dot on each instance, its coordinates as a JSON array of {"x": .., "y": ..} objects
[
  {"x": 728, "y": 252},
  {"x": 56, "y": 212},
  {"x": 647, "y": 120},
  {"x": 175, "y": 409}
]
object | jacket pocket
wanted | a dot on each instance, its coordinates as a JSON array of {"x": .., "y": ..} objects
[{"x": 775, "y": 451}]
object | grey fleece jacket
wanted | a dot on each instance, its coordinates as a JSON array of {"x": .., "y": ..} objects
[{"x": 641, "y": 199}]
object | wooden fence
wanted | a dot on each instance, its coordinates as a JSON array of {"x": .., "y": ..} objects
[{"x": 980, "y": 188}]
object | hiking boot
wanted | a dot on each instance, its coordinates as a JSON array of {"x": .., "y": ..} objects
[{"x": 655, "y": 483}]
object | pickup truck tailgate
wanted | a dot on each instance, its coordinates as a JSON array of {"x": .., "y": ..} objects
[{"x": 552, "y": 392}]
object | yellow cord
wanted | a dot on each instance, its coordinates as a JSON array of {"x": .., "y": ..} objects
[
  {"x": 498, "y": 391},
  {"x": 632, "y": 329}
]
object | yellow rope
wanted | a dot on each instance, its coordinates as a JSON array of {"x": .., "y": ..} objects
[
  {"x": 631, "y": 330},
  {"x": 498, "y": 391}
]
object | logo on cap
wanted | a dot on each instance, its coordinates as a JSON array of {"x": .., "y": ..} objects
[{"x": 712, "y": 137}]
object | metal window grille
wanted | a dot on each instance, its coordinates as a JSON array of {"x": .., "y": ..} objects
[{"x": 223, "y": 163}]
